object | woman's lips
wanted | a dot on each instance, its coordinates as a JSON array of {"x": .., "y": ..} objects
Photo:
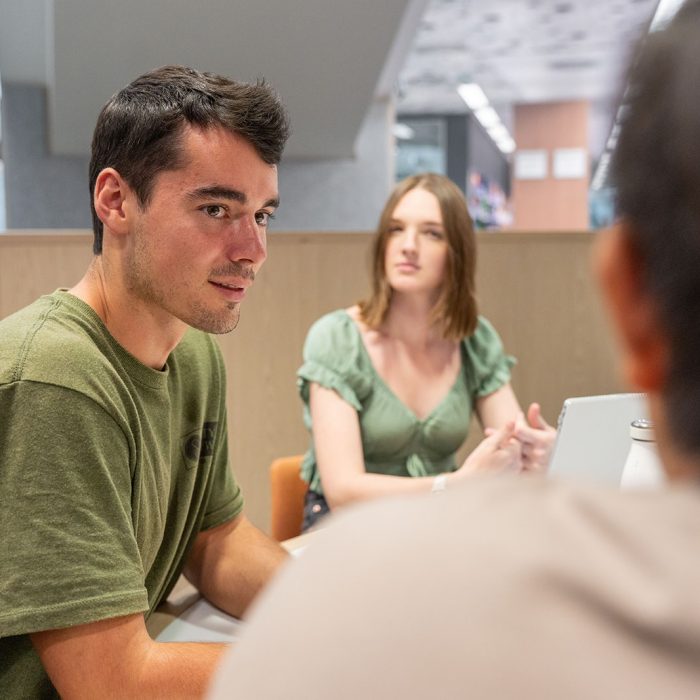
[{"x": 407, "y": 267}]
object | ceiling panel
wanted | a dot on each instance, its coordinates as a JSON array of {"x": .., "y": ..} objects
[
  {"x": 325, "y": 58},
  {"x": 524, "y": 51}
]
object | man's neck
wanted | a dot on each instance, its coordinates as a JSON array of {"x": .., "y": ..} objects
[{"x": 150, "y": 338}]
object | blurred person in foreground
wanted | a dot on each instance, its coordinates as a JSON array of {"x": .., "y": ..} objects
[{"x": 507, "y": 587}]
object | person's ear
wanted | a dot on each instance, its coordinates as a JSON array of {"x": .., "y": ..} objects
[
  {"x": 112, "y": 198},
  {"x": 634, "y": 311}
]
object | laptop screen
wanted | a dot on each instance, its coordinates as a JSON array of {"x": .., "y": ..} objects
[{"x": 593, "y": 436}]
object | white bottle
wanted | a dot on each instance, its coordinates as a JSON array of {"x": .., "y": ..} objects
[{"x": 642, "y": 469}]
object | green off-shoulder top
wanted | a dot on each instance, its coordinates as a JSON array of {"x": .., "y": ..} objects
[{"x": 394, "y": 440}]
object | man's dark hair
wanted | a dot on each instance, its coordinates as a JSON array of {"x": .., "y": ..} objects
[
  {"x": 139, "y": 131},
  {"x": 656, "y": 170}
]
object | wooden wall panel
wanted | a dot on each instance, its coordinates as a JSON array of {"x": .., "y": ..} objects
[
  {"x": 535, "y": 288},
  {"x": 32, "y": 264}
]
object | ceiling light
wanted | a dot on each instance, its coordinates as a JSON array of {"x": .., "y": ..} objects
[
  {"x": 614, "y": 135},
  {"x": 487, "y": 117},
  {"x": 506, "y": 145},
  {"x": 473, "y": 95},
  {"x": 665, "y": 12},
  {"x": 498, "y": 131},
  {"x": 601, "y": 172},
  {"x": 403, "y": 131}
]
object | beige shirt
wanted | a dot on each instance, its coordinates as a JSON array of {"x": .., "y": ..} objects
[{"x": 501, "y": 588}]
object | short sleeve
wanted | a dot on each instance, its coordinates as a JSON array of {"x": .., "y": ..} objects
[
  {"x": 489, "y": 365},
  {"x": 66, "y": 521},
  {"x": 333, "y": 358}
]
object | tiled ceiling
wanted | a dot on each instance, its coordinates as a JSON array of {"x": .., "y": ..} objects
[{"x": 524, "y": 51}]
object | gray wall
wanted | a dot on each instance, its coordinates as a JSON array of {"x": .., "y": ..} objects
[
  {"x": 41, "y": 190},
  {"x": 341, "y": 195},
  {"x": 457, "y": 149},
  {"x": 46, "y": 191}
]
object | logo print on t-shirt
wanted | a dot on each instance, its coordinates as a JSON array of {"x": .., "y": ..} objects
[{"x": 199, "y": 444}]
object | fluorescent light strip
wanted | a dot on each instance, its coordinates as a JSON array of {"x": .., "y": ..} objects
[
  {"x": 498, "y": 132},
  {"x": 473, "y": 95},
  {"x": 665, "y": 12},
  {"x": 487, "y": 116}
]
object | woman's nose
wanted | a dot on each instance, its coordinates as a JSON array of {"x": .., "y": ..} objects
[{"x": 409, "y": 240}]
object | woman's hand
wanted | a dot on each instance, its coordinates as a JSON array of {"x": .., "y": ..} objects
[
  {"x": 536, "y": 438},
  {"x": 499, "y": 451}
]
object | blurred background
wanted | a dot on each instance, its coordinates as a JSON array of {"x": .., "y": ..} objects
[{"x": 515, "y": 100}]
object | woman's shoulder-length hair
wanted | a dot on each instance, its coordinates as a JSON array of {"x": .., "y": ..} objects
[{"x": 456, "y": 308}]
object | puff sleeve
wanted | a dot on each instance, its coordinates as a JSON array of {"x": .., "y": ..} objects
[
  {"x": 335, "y": 359},
  {"x": 488, "y": 365}
]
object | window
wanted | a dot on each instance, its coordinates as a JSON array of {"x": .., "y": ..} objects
[{"x": 421, "y": 146}]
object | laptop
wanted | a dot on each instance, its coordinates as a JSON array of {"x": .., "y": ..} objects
[{"x": 593, "y": 437}]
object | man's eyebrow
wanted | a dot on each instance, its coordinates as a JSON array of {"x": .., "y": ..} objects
[{"x": 218, "y": 192}]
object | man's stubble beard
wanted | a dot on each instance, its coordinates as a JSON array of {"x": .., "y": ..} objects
[{"x": 140, "y": 283}]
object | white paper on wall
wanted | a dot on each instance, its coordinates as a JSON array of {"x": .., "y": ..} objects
[
  {"x": 531, "y": 164},
  {"x": 569, "y": 163}
]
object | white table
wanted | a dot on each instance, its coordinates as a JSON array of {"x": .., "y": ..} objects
[{"x": 187, "y": 617}]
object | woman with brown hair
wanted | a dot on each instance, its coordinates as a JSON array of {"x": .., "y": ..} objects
[{"x": 389, "y": 385}]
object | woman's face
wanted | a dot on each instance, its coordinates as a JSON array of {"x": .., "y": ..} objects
[{"x": 416, "y": 249}]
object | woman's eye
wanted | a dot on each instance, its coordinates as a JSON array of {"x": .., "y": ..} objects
[
  {"x": 436, "y": 235},
  {"x": 215, "y": 211}
]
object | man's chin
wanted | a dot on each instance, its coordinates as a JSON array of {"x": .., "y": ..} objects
[{"x": 217, "y": 325}]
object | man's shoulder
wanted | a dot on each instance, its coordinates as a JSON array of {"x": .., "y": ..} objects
[{"x": 50, "y": 340}]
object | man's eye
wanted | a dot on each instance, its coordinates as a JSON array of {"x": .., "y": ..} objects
[
  {"x": 216, "y": 211},
  {"x": 263, "y": 218}
]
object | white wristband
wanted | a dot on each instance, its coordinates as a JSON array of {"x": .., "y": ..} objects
[{"x": 439, "y": 483}]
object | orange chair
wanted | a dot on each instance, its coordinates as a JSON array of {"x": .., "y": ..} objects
[{"x": 288, "y": 490}]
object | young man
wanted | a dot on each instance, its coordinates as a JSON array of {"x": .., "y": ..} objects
[
  {"x": 114, "y": 474},
  {"x": 528, "y": 588}
]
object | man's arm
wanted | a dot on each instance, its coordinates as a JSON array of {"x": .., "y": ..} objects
[
  {"x": 231, "y": 563},
  {"x": 116, "y": 658}
]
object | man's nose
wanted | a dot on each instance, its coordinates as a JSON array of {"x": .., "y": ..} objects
[{"x": 248, "y": 242}]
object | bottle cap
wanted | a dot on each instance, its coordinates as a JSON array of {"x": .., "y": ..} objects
[{"x": 642, "y": 429}]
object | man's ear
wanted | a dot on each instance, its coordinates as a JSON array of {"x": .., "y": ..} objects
[
  {"x": 112, "y": 198},
  {"x": 635, "y": 313}
]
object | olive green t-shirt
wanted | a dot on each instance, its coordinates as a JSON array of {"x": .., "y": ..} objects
[
  {"x": 394, "y": 440},
  {"x": 108, "y": 471}
]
